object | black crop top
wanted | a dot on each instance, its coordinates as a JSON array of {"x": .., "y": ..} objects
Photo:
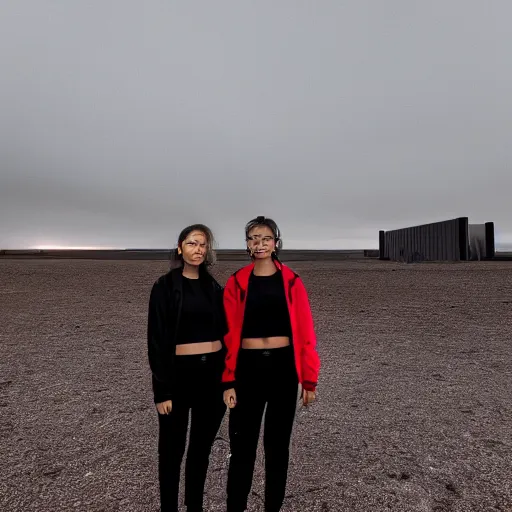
[
  {"x": 197, "y": 322},
  {"x": 266, "y": 309}
]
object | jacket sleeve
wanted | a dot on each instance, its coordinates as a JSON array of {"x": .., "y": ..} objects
[
  {"x": 310, "y": 359},
  {"x": 222, "y": 312},
  {"x": 159, "y": 353},
  {"x": 230, "y": 341}
]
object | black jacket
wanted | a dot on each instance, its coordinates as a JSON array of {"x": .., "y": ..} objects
[{"x": 164, "y": 314}]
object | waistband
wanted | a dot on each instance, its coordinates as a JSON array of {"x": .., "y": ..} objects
[
  {"x": 209, "y": 357},
  {"x": 266, "y": 352}
]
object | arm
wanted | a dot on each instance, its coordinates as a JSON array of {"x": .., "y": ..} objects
[
  {"x": 309, "y": 355},
  {"x": 158, "y": 346},
  {"x": 230, "y": 341}
]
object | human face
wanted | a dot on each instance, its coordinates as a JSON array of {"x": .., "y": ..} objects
[
  {"x": 261, "y": 242},
  {"x": 193, "y": 248}
]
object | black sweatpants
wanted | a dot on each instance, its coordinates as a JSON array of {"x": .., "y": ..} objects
[
  {"x": 198, "y": 384},
  {"x": 263, "y": 377}
]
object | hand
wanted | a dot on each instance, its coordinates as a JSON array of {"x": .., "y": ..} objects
[
  {"x": 164, "y": 407},
  {"x": 307, "y": 397},
  {"x": 230, "y": 398}
]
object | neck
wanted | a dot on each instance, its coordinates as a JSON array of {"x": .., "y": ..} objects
[
  {"x": 190, "y": 271},
  {"x": 264, "y": 267}
]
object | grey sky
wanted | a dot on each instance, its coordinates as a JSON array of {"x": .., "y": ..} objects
[{"x": 123, "y": 121}]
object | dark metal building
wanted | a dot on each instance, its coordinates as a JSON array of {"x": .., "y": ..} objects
[{"x": 439, "y": 241}]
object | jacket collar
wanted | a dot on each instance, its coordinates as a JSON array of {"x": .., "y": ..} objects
[
  {"x": 242, "y": 275},
  {"x": 175, "y": 277}
]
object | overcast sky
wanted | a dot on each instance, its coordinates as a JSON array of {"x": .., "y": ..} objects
[{"x": 123, "y": 121}]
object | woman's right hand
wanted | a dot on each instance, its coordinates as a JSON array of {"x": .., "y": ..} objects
[
  {"x": 164, "y": 407},
  {"x": 230, "y": 398}
]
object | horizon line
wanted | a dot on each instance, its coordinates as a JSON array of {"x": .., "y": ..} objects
[{"x": 143, "y": 249}]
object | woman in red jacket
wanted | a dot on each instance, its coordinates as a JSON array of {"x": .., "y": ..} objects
[{"x": 271, "y": 348}]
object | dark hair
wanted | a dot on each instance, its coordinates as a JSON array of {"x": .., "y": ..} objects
[
  {"x": 269, "y": 223},
  {"x": 210, "y": 259}
]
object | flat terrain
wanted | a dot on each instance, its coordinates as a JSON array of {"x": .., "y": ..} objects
[{"x": 414, "y": 411}]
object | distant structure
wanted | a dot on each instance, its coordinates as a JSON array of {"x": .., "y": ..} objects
[
  {"x": 481, "y": 241},
  {"x": 450, "y": 240}
]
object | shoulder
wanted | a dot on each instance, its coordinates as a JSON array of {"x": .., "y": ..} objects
[
  {"x": 239, "y": 280},
  {"x": 216, "y": 285},
  {"x": 161, "y": 282},
  {"x": 294, "y": 281},
  {"x": 165, "y": 282},
  {"x": 241, "y": 275},
  {"x": 245, "y": 270},
  {"x": 231, "y": 281},
  {"x": 289, "y": 274}
]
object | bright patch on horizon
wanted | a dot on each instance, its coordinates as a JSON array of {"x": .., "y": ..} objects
[{"x": 73, "y": 248}]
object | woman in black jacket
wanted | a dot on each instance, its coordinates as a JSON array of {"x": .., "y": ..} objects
[{"x": 186, "y": 326}]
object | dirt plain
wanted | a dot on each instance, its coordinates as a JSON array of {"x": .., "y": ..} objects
[{"x": 414, "y": 408}]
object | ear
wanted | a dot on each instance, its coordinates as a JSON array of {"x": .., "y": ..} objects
[{"x": 179, "y": 250}]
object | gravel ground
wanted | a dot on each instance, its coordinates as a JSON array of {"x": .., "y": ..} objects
[{"x": 414, "y": 402}]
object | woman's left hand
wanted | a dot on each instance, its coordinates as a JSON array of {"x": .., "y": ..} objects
[{"x": 307, "y": 397}]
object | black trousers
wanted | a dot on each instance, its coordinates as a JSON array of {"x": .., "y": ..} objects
[
  {"x": 264, "y": 378},
  {"x": 199, "y": 391}
]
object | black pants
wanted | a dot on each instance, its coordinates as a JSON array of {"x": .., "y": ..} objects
[
  {"x": 199, "y": 389},
  {"x": 264, "y": 377}
]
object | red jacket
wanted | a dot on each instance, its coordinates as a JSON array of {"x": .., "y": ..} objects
[{"x": 307, "y": 361}]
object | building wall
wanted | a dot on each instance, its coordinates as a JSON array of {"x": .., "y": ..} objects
[{"x": 439, "y": 241}]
